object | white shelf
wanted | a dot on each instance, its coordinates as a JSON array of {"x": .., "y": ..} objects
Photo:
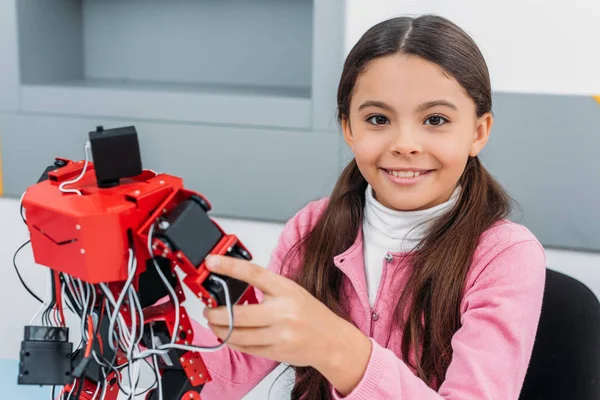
[
  {"x": 234, "y": 62},
  {"x": 220, "y": 104}
]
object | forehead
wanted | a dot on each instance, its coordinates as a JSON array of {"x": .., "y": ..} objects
[{"x": 405, "y": 81}]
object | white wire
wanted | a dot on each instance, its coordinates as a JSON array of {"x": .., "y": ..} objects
[
  {"x": 23, "y": 209},
  {"x": 86, "y": 149},
  {"x": 133, "y": 366},
  {"x": 123, "y": 339},
  {"x": 104, "y": 385},
  {"x": 158, "y": 377},
  {"x": 74, "y": 293},
  {"x": 72, "y": 388},
  {"x": 44, "y": 304},
  {"x": 167, "y": 285},
  {"x": 97, "y": 390},
  {"x": 163, "y": 349},
  {"x": 132, "y": 266}
]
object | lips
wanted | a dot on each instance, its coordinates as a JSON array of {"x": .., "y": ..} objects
[{"x": 406, "y": 176}]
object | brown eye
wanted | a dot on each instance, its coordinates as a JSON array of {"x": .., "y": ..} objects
[
  {"x": 436, "y": 120},
  {"x": 377, "y": 120}
]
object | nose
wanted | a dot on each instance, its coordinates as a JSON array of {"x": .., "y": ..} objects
[{"x": 405, "y": 142}]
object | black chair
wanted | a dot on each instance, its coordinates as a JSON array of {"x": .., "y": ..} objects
[{"x": 565, "y": 363}]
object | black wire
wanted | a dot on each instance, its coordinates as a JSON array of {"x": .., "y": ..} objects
[
  {"x": 80, "y": 388},
  {"x": 19, "y": 274},
  {"x": 22, "y": 216}
]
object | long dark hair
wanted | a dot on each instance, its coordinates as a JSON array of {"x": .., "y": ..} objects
[{"x": 429, "y": 308}]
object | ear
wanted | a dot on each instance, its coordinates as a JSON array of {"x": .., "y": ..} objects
[
  {"x": 347, "y": 130},
  {"x": 481, "y": 133}
]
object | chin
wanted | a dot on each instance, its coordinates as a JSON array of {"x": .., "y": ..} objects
[{"x": 404, "y": 202}]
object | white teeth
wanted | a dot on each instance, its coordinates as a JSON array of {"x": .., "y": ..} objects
[{"x": 405, "y": 174}]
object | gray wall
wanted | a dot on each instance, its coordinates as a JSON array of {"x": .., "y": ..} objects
[{"x": 238, "y": 98}]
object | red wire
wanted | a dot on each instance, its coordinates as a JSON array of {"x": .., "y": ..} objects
[
  {"x": 99, "y": 324},
  {"x": 90, "y": 330},
  {"x": 58, "y": 289}
]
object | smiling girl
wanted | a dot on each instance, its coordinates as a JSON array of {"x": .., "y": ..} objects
[{"x": 409, "y": 281}]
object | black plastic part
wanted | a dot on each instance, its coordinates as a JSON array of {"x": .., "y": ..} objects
[
  {"x": 172, "y": 359},
  {"x": 191, "y": 231},
  {"x": 46, "y": 334},
  {"x": 200, "y": 201},
  {"x": 175, "y": 385},
  {"x": 81, "y": 367},
  {"x": 44, "y": 361},
  {"x": 151, "y": 287},
  {"x": 236, "y": 287},
  {"x": 116, "y": 154}
]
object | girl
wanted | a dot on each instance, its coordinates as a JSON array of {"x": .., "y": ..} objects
[{"x": 408, "y": 282}]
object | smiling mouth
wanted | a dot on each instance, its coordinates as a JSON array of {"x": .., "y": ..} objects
[{"x": 407, "y": 173}]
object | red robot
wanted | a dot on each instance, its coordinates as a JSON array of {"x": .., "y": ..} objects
[{"x": 120, "y": 243}]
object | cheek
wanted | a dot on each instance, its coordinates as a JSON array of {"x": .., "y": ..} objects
[
  {"x": 451, "y": 153},
  {"x": 367, "y": 149}
]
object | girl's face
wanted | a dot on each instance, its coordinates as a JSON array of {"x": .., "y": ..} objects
[{"x": 412, "y": 129}]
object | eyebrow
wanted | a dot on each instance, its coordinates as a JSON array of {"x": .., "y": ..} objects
[
  {"x": 422, "y": 107},
  {"x": 430, "y": 104},
  {"x": 378, "y": 104}
]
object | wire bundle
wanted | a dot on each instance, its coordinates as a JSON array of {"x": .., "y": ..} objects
[{"x": 92, "y": 303}]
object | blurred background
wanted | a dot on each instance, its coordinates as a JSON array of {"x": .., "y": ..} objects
[{"x": 238, "y": 98}]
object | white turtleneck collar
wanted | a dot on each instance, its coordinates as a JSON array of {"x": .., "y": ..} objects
[
  {"x": 404, "y": 229},
  {"x": 391, "y": 231}
]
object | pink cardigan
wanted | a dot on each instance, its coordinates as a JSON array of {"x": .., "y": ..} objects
[{"x": 491, "y": 351}]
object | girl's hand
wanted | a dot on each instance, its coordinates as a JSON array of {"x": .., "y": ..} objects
[{"x": 289, "y": 326}]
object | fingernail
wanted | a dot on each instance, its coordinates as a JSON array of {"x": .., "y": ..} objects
[{"x": 212, "y": 262}]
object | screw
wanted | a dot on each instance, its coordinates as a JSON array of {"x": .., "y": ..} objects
[
  {"x": 55, "y": 170},
  {"x": 162, "y": 182},
  {"x": 82, "y": 251},
  {"x": 78, "y": 227},
  {"x": 189, "y": 332},
  {"x": 191, "y": 396},
  {"x": 182, "y": 359},
  {"x": 192, "y": 378},
  {"x": 136, "y": 192},
  {"x": 191, "y": 361},
  {"x": 201, "y": 377},
  {"x": 164, "y": 225}
]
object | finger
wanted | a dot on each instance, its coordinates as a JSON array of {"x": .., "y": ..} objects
[
  {"x": 261, "y": 278},
  {"x": 244, "y": 336},
  {"x": 247, "y": 316}
]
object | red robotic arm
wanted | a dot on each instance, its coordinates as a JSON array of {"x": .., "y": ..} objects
[{"x": 117, "y": 240}]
